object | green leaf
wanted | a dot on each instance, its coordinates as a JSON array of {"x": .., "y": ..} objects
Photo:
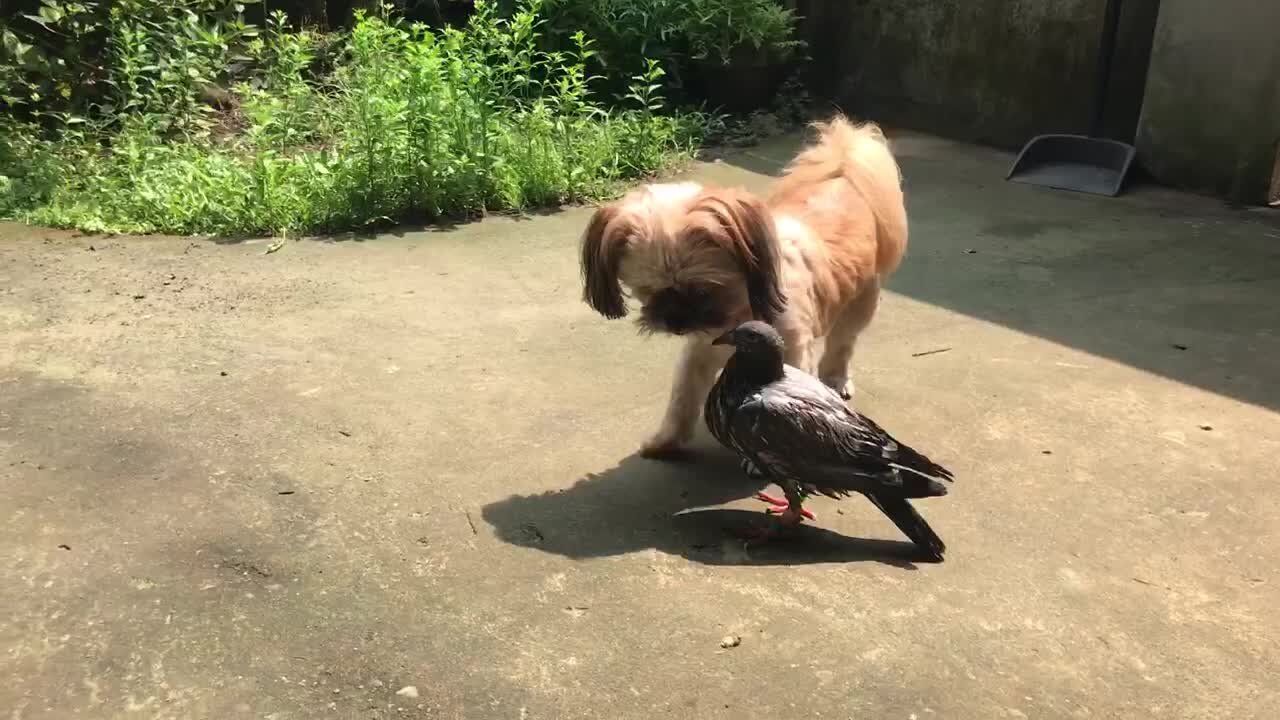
[
  {"x": 51, "y": 13},
  {"x": 28, "y": 56}
]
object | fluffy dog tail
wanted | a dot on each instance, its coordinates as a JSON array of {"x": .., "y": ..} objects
[{"x": 861, "y": 155}]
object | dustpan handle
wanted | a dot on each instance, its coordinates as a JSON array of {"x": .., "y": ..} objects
[{"x": 1106, "y": 53}]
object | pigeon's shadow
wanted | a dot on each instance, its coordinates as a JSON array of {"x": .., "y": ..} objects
[{"x": 669, "y": 506}]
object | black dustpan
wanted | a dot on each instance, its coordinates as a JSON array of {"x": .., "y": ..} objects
[
  {"x": 1083, "y": 163},
  {"x": 1074, "y": 162}
]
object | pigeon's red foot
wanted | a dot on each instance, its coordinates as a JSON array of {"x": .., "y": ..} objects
[
  {"x": 783, "y": 510},
  {"x": 783, "y": 518}
]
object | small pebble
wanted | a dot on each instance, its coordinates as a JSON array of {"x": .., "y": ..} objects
[
  {"x": 1206, "y": 427},
  {"x": 730, "y": 641},
  {"x": 408, "y": 691}
]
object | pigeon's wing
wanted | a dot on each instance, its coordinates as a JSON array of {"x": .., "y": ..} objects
[
  {"x": 802, "y": 430},
  {"x": 807, "y": 433}
]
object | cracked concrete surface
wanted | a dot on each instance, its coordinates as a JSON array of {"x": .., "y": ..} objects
[{"x": 290, "y": 485}]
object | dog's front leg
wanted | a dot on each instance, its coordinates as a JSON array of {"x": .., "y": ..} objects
[
  {"x": 799, "y": 350},
  {"x": 695, "y": 374}
]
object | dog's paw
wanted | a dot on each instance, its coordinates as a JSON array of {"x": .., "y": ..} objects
[
  {"x": 840, "y": 384},
  {"x": 664, "y": 445}
]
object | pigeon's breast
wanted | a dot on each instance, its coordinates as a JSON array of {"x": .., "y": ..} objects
[
  {"x": 722, "y": 406},
  {"x": 719, "y": 414}
]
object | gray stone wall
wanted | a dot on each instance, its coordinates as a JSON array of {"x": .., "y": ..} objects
[
  {"x": 1211, "y": 116},
  {"x": 1195, "y": 83},
  {"x": 992, "y": 71}
]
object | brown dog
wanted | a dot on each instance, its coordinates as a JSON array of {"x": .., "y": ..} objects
[{"x": 701, "y": 260}]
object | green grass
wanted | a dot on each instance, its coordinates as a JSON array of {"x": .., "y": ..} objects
[{"x": 403, "y": 124}]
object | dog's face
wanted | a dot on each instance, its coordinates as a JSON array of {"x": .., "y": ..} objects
[
  {"x": 697, "y": 260},
  {"x": 688, "y": 308}
]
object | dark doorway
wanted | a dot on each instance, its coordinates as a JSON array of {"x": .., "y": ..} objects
[
  {"x": 1274, "y": 197},
  {"x": 1128, "y": 82}
]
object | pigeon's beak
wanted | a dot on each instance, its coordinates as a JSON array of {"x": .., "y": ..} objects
[{"x": 725, "y": 339}]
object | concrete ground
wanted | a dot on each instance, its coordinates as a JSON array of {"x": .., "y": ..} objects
[{"x": 293, "y": 485}]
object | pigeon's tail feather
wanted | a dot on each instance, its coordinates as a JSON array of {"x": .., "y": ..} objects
[
  {"x": 910, "y": 523},
  {"x": 904, "y": 456},
  {"x": 918, "y": 486},
  {"x": 912, "y": 460}
]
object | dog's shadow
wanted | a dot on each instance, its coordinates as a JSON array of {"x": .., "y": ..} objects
[{"x": 669, "y": 505}]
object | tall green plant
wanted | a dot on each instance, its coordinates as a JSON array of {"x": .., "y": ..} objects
[
  {"x": 676, "y": 33},
  {"x": 722, "y": 30},
  {"x": 410, "y": 122},
  {"x": 98, "y": 58}
]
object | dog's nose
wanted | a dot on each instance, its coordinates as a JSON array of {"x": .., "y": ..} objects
[{"x": 677, "y": 325}]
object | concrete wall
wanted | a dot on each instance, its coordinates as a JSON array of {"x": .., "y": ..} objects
[
  {"x": 1211, "y": 119},
  {"x": 992, "y": 71},
  {"x": 1194, "y": 83}
]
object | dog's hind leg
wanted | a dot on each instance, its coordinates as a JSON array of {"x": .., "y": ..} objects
[{"x": 833, "y": 369}]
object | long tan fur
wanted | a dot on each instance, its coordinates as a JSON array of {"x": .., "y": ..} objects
[
  {"x": 811, "y": 259},
  {"x": 741, "y": 224},
  {"x": 860, "y": 155}
]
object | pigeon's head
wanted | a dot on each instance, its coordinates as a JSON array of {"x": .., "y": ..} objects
[{"x": 753, "y": 338}]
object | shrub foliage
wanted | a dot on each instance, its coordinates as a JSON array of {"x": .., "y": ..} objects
[{"x": 183, "y": 117}]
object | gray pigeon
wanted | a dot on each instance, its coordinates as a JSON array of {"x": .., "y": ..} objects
[{"x": 800, "y": 434}]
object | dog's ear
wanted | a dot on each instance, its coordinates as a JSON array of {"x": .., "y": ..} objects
[
  {"x": 744, "y": 227},
  {"x": 603, "y": 243}
]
